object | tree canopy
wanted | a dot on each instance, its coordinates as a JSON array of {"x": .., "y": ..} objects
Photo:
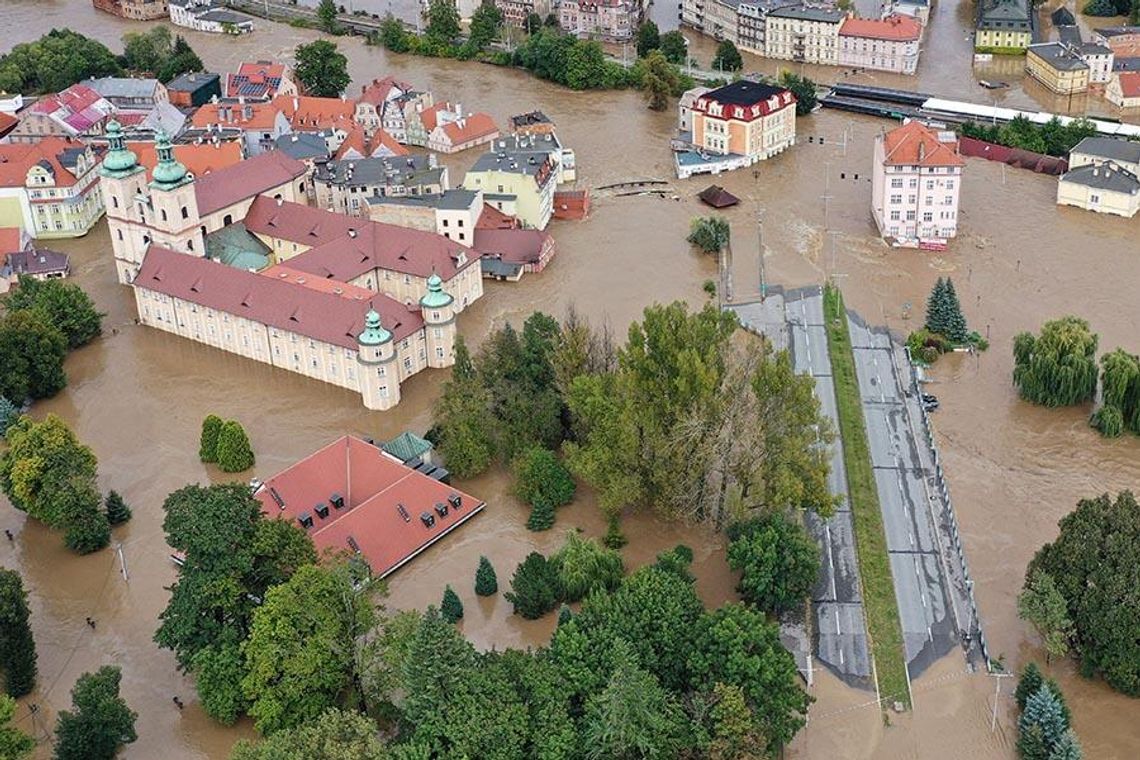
[
  {"x": 333, "y": 735},
  {"x": 803, "y": 88},
  {"x": 17, "y": 647},
  {"x": 709, "y": 233},
  {"x": 154, "y": 52},
  {"x": 99, "y": 723},
  {"x": 233, "y": 451},
  {"x": 777, "y": 560},
  {"x": 585, "y": 566},
  {"x": 1095, "y": 566},
  {"x": 54, "y": 62},
  {"x": 727, "y": 57},
  {"x": 486, "y": 582},
  {"x": 1042, "y": 604},
  {"x": 321, "y": 69},
  {"x": 32, "y": 351},
  {"x": 648, "y": 39},
  {"x": 14, "y": 743},
  {"x": 944, "y": 312},
  {"x": 62, "y": 304},
  {"x": 1057, "y": 367},
  {"x": 673, "y": 47},
  {"x": 1120, "y": 390},
  {"x": 442, "y": 21}
]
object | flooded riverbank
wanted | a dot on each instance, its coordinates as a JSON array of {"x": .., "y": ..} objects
[{"x": 138, "y": 396}]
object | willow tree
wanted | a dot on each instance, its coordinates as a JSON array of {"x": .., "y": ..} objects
[
  {"x": 1120, "y": 391},
  {"x": 1058, "y": 367}
]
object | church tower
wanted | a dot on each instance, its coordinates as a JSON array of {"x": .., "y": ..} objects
[
  {"x": 379, "y": 376},
  {"x": 438, "y": 310},
  {"x": 173, "y": 205},
  {"x": 122, "y": 180}
]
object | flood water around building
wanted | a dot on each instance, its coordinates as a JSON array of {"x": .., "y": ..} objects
[{"x": 137, "y": 396}]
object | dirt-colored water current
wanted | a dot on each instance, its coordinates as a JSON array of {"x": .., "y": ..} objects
[{"x": 137, "y": 396}]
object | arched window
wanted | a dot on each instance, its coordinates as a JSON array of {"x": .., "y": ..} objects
[
  {"x": 185, "y": 213},
  {"x": 228, "y": 220},
  {"x": 189, "y": 245},
  {"x": 164, "y": 215},
  {"x": 115, "y": 201},
  {"x": 203, "y": 231},
  {"x": 301, "y": 187}
]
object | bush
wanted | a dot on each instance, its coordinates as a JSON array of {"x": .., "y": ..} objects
[
  {"x": 117, "y": 510},
  {"x": 614, "y": 538},
  {"x": 208, "y": 442},
  {"x": 234, "y": 452},
  {"x": 778, "y": 562},
  {"x": 486, "y": 582},
  {"x": 451, "y": 609},
  {"x": 709, "y": 233},
  {"x": 535, "y": 587},
  {"x": 540, "y": 478},
  {"x": 88, "y": 532},
  {"x": 585, "y": 566}
]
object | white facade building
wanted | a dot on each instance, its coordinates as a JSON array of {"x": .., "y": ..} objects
[{"x": 915, "y": 185}]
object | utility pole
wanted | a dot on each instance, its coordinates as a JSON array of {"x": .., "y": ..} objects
[
  {"x": 831, "y": 234},
  {"x": 760, "y": 242},
  {"x": 122, "y": 561},
  {"x": 997, "y": 693},
  {"x": 826, "y": 193}
]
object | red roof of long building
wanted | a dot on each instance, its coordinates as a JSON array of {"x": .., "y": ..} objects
[
  {"x": 312, "y": 114},
  {"x": 278, "y": 302},
  {"x": 373, "y": 485},
  {"x": 915, "y": 144},
  {"x": 896, "y": 28},
  {"x": 226, "y": 186},
  {"x": 469, "y": 128},
  {"x": 377, "y": 92},
  {"x": 199, "y": 159},
  {"x": 1130, "y": 83},
  {"x": 344, "y": 247}
]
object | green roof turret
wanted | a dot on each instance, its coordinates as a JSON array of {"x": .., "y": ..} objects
[
  {"x": 119, "y": 160},
  {"x": 374, "y": 333},
  {"x": 435, "y": 298},
  {"x": 168, "y": 174}
]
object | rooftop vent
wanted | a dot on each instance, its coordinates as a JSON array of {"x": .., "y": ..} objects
[
  {"x": 305, "y": 519},
  {"x": 441, "y": 509},
  {"x": 353, "y": 545},
  {"x": 428, "y": 519},
  {"x": 337, "y": 501},
  {"x": 277, "y": 497},
  {"x": 322, "y": 510},
  {"x": 455, "y": 500},
  {"x": 403, "y": 512}
]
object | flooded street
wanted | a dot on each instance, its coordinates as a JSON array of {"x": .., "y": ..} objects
[{"x": 137, "y": 396}]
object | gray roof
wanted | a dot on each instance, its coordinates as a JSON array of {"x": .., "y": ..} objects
[
  {"x": 1124, "y": 151},
  {"x": 827, "y": 15},
  {"x": 192, "y": 82},
  {"x": 1116, "y": 31},
  {"x": 1003, "y": 13},
  {"x": 1103, "y": 177},
  {"x": 37, "y": 261},
  {"x": 449, "y": 200},
  {"x": 387, "y": 172},
  {"x": 223, "y": 16},
  {"x": 1126, "y": 64},
  {"x": 122, "y": 87},
  {"x": 1070, "y": 35},
  {"x": 1091, "y": 48},
  {"x": 494, "y": 267},
  {"x": 524, "y": 155},
  {"x": 302, "y": 145},
  {"x": 1061, "y": 57}
]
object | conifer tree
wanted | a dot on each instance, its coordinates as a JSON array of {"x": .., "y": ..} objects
[
  {"x": 535, "y": 587},
  {"x": 541, "y": 516},
  {"x": 565, "y": 614},
  {"x": 234, "y": 452},
  {"x": 1042, "y": 710},
  {"x": 117, "y": 510},
  {"x": 1031, "y": 744},
  {"x": 1028, "y": 683},
  {"x": 8, "y": 414},
  {"x": 955, "y": 321},
  {"x": 17, "y": 648},
  {"x": 208, "y": 442},
  {"x": 935, "y": 308},
  {"x": 486, "y": 582},
  {"x": 1067, "y": 748},
  {"x": 451, "y": 608}
]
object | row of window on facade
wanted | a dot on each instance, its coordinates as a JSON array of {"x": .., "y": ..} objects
[
  {"x": 927, "y": 216},
  {"x": 897, "y": 182}
]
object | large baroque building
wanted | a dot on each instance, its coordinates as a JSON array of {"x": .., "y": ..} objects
[{"x": 804, "y": 33}]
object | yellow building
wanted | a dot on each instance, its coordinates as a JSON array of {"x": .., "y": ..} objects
[
  {"x": 518, "y": 177},
  {"x": 49, "y": 188},
  {"x": 1057, "y": 66},
  {"x": 1004, "y": 26},
  {"x": 745, "y": 118}
]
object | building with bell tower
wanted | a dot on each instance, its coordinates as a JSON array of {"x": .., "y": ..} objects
[
  {"x": 379, "y": 373},
  {"x": 171, "y": 208},
  {"x": 122, "y": 180},
  {"x": 439, "y": 323}
]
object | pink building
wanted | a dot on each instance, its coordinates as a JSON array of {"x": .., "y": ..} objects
[
  {"x": 917, "y": 176},
  {"x": 612, "y": 20},
  {"x": 888, "y": 44}
]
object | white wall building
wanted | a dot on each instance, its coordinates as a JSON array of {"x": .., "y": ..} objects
[{"x": 915, "y": 185}]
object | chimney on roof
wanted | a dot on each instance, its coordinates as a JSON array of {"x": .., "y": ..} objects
[
  {"x": 921, "y": 152},
  {"x": 351, "y": 232},
  {"x": 296, "y": 104}
]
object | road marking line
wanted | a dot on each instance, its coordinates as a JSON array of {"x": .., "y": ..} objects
[{"x": 838, "y": 629}]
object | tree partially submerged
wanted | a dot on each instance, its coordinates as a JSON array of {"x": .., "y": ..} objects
[
  {"x": 536, "y": 588},
  {"x": 777, "y": 560},
  {"x": 1058, "y": 367},
  {"x": 17, "y": 647},
  {"x": 486, "y": 582},
  {"x": 99, "y": 723},
  {"x": 709, "y": 233},
  {"x": 233, "y": 451}
]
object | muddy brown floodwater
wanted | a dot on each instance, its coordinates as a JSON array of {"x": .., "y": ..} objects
[{"x": 138, "y": 396}]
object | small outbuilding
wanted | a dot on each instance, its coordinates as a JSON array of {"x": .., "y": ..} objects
[{"x": 717, "y": 197}]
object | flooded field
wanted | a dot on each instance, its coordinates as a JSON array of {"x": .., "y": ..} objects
[{"x": 137, "y": 396}]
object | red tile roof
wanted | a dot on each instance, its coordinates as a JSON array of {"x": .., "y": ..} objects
[
  {"x": 226, "y": 186},
  {"x": 366, "y": 148},
  {"x": 10, "y": 240},
  {"x": 373, "y": 485},
  {"x": 1130, "y": 83},
  {"x": 249, "y": 115},
  {"x": 79, "y": 106},
  {"x": 469, "y": 128},
  {"x": 17, "y": 159},
  {"x": 430, "y": 115},
  {"x": 493, "y": 219},
  {"x": 344, "y": 248},
  {"x": 7, "y": 124},
  {"x": 896, "y": 28},
  {"x": 377, "y": 92},
  {"x": 311, "y": 114},
  {"x": 199, "y": 159},
  {"x": 278, "y": 302},
  {"x": 915, "y": 144}
]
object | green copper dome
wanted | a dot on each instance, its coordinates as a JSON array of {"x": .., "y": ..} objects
[
  {"x": 374, "y": 333},
  {"x": 118, "y": 159},
  {"x": 168, "y": 174},
  {"x": 435, "y": 298}
]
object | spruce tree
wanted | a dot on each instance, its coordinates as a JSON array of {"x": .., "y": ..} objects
[
  {"x": 1067, "y": 748},
  {"x": 1031, "y": 744},
  {"x": 956, "y": 329},
  {"x": 535, "y": 587},
  {"x": 565, "y": 614},
  {"x": 208, "y": 442},
  {"x": 541, "y": 516},
  {"x": 935, "y": 307},
  {"x": 451, "y": 608},
  {"x": 234, "y": 452},
  {"x": 17, "y": 648},
  {"x": 8, "y": 414},
  {"x": 1028, "y": 683},
  {"x": 1042, "y": 709},
  {"x": 117, "y": 510},
  {"x": 486, "y": 582}
]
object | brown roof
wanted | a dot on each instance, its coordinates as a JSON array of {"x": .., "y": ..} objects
[
  {"x": 493, "y": 219},
  {"x": 356, "y": 140},
  {"x": 248, "y": 115},
  {"x": 896, "y": 28},
  {"x": 200, "y": 160},
  {"x": 377, "y": 92},
  {"x": 311, "y": 114},
  {"x": 226, "y": 186},
  {"x": 343, "y": 247},
  {"x": 373, "y": 485},
  {"x": 514, "y": 246},
  {"x": 717, "y": 197},
  {"x": 10, "y": 240},
  {"x": 915, "y": 144},
  {"x": 1130, "y": 83},
  {"x": 17, "y": 159},
  {"x": 470, "y": 128},
  {"x": 7, "y": 124},
  {"x": 277, "y": 302}
]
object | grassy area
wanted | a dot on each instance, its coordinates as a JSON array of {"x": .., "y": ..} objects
[{"x": 879, "y": 605}]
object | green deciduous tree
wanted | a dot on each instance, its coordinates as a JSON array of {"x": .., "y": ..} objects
[
  {"x": 541, "y": 479},
  {"x": 116, "y": 509},
  {"x": 1120, "y": 389},
  {"x": 709, "y": 233},
  {"x": 673, "y": 47},
  {"x": 86, "y": 526},
  {"x": 585, "y": 566},
  {"x": 182, "y": 60},
  {"x": 394, "y": 36},
  {"x": 208, "y": 441},
  {"x": 99, "y": 723},
  {"x": 326, "y": 17},
  {"x": 442, "y": 21},
  {"x": 777, "y": 560},
  {"x": 218, "y": 672},
  {"x": 14, "y": 743},
  {"x": 332, "y": 735},
  {"x": 62, "y": 304},
  {"x": 451, "y": 608},
  {"x": 144, "y": 52},
  {"x": 1058, "y": 367},
  {"x": 533, "y": 23},
  {"x": 737, "y": 646},
  {"x": 585, "y": 66},
  {"x": 648, "y": 39},
  {"x": 233, "y": 450},
  {"x": 300, "y": 654},
  {"x": 804, "y": 89},
  {"x": 485, "y": 24},
  {"x": 54, "y": 62},
  {"x": 31, "y": 356},
  {"x": 659, "y": 80},
  {"x": 727, "y": 57},
  {"x": 17, "y": 647},
  {"x": 633, "y": 717},
  {"x": 735, "y": 734},
  {"x": 321, "y": 69},
  {"x": 1041, "y": 603},
  {"x": 1093, "y": 565},
  {"x": 535, "y": 587},
  {"x": 486, "y": 582}
]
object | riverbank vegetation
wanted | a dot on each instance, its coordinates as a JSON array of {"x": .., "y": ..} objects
[
  {"x": 1051, "y": 138},
  {"x": 883, "y": 623},
  {"x": 1092, "y": 565},
  {"x": 1057, "y": 367},
  {"x": 1043, "y": 728}
]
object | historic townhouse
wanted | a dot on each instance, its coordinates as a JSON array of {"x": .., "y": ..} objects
[
  {"x": 137, "y": 10},
  {"x": 889, "y": 44},
  {"x": 611, "y": 20},
  {"x": 50, "y": 188},
  {"x": 915, "y": 185},
  {"x": 804, "y": 33},
  {"x": 748, "y": 119}
]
